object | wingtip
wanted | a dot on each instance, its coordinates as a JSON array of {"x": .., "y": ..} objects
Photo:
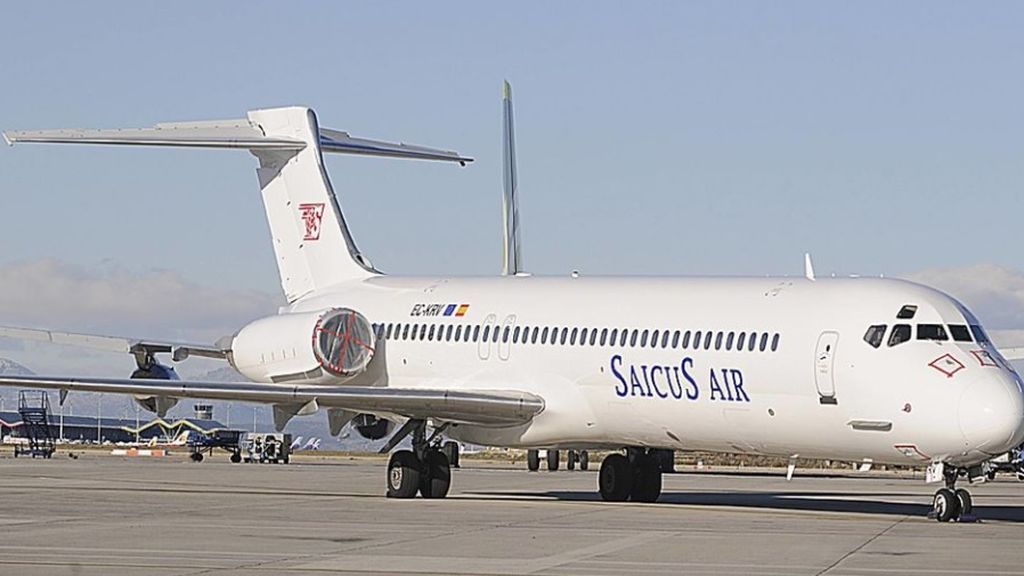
[
  {"x": 506, "y": 90},
  {"x": 7, "y": 139}
]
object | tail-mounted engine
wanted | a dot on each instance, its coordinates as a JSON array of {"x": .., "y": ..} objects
[{"x": 326, "y": 347}]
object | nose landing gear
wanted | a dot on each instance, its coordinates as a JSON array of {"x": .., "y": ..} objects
[{"x": 952, "y": 503}]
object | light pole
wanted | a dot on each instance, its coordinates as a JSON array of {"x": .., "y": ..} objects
[{"x": 99, "y": 418}]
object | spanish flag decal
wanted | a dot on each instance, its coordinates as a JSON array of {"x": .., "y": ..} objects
[{"x": 463, "y": 308}]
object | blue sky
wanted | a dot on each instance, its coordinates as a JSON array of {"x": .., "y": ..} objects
[{"x": 654, "y": 138}]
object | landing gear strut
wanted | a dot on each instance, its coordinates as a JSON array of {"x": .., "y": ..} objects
[
  {"x": 634, "y": 476},
  {"x": 952, "y": 503},
  {"x": 425, "y": 469}
]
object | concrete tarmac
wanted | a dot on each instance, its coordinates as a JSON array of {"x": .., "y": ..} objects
[{"x": 102, "y": 515}]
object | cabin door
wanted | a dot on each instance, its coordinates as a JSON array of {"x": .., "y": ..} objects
[{"x": 824, "y": 367}]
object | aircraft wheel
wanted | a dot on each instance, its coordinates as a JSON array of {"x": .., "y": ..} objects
[
  {"x": 197, "y": 456},
  {"x": 570, "y": 460},
  {"x": 236, "y": 458},
  {"x": 615, "y": 481},
  {"x": 437, "y": 477},
  {"x": 963, "y": 498},
  {"x": 451, "y": 449},
  {"x": 945, "y": 505},
  {"x": 533, "y": 460},
  {"x": 403, "y": 475},
  {"x": 584, "y": 460},
  {"x": 553, "y": 460},
  {"x": 647, "y": 485}
]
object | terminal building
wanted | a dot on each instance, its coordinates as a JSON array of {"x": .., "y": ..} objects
[{"x": 90, "y": 429}]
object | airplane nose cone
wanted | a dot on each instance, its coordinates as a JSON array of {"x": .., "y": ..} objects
[{"x": 992, "y": 414}]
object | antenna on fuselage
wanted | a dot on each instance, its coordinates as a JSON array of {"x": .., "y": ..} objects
[{"x": 808, "y": 267}]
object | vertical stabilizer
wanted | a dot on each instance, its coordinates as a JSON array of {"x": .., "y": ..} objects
[
  {"x": 312, "y": 243},
  {"x": 512, "y": 262}
]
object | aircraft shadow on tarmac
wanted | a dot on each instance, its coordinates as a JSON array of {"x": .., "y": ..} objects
[{"x": 810, "y": 501}]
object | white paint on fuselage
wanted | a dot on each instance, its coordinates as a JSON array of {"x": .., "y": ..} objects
[{"x": 963, "y": 418}]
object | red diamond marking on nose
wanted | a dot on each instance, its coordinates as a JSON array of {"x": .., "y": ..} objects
[{"x": 947, "y": 364}]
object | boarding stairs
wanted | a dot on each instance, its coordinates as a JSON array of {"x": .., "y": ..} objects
[{"x": 34, "y": 408}]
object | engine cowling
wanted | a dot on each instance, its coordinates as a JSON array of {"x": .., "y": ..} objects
[
  {"x": 158, "y": 404},
  {"x": 325, "y": 347}
]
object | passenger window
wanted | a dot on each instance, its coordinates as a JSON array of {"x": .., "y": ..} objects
[
  {"x": 729, "y": 339},
  {"x": 696, "y": 340},
  {"x": 544, "y": 336},
  {"x": 593, "y": 336},
  {"x": 718, "y": 341},
  {"x": 753, "y": 342},
  {"x": 604, "y": 336},
  {"x": 405, "y": 332},
  {"x": 686, "y": 339},
  {"x": 643, "y": 338},
  {"x": 572, "y": 339},
  {"x": 707, "y": 340},
  {"x": 775, "y": 342},
  {"x": 504, "y": 335},
  {"x": 423, "y": 332},
  {"x": 497, "y": 333},
  {"x": 740, "y": 341},
  {"x": 931, "y": 332},
  {"x": 583, "y": 336},
  {"x": 979, "y": 334},
  {"x": 448, "y": 333},
  {"x": 675, "y": 339},
  {"x": 565, "y": 334},
  {"x": 515, "y": 335},
  {"x": 875, "y": 335},
  {"x": 632, "y": 338},
  {"x": 900, "y": 334},
  {"x": 476, "y": 333},
  {"x": 622, "y": 337},
  {"x": 664, "y": 338},
  {"x": 764, "y": 342},
  {"x": 654, "y": 338},
  {"x": 960, "y": 332},
  {"x": 487, "y": 333},
  {"x": 430, "y": 335},
  {"x": 458, "y": 333}
]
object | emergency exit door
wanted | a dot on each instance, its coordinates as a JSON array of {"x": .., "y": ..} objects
[{"x": 824, "y": 367}]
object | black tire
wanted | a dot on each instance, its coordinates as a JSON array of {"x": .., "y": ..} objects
[
  {"x": 236, "y": 458},
  {"x": 584, "y": 460},
  {"x": 451, "y": 450},
  {"x": 437, "y": 477},
  {"x": 615, "y": 481},
  {"x": 533, "y": 460},
  {"x": 197, "y": 456},
  {"x": 647, "y": 484},
  {"x": 553, "y": 460},
  {"x": 403, "y": 475},
  {"x": 570, "y": 460},
  {"x": 945, "y": 505},
  {"x": 964, "y": 500}
]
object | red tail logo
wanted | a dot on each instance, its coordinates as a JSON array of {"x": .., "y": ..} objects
[{"x": 311, "y": 215}]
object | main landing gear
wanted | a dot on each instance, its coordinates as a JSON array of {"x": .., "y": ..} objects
[
  {"x": 635, "y": 475},
  {"x": 424, "y": 470},
  {"x": 952, "y": 503}
]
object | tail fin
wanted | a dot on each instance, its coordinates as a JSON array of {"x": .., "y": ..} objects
[
  {"x": 512, "y": 260},
  {"x": 312, "y": 243}
]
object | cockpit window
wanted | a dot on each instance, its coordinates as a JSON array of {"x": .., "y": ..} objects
[
  {"x": 960, "y": 332},
  {"x": 931, "y": 332},
  {"x": 979, "y": 334},
  {"x": 900, "y": 334},
  {"x": 875, "y": 334},
  {"x": 907, "y": 312}
]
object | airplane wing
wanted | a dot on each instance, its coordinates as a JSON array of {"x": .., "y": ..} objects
[
  {"x": 180, "y": 350},
  {"x": 485, "y": 407}
]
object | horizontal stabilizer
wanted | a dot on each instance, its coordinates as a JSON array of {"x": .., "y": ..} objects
[
  {"x": 485, "y": 407},
  {"x": 242, "y": 133},
  {"x": 181, "y": 350}
]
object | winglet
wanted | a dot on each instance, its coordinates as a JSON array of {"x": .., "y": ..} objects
[{"x": 808, "y": 267}]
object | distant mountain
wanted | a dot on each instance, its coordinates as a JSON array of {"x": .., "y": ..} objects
[{"x": 12, "y": 368}]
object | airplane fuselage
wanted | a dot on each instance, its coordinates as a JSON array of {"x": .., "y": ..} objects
[{"x": 774, "y": 366}]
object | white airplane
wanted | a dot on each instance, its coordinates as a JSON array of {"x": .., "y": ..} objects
[{"x": 859, "y": 369}]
